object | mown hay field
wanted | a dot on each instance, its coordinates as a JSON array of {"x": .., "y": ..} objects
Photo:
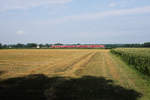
[
  {"x": 51, "y": 62},
  {"x": 68, "y": 74}
]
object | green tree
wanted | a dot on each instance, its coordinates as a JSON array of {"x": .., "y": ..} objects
[
  {"x": 31, "y": 45},
  {"x": 0, "y": 45},
  {"x": 41, "y": 45},
  {"x": 146, "y": 44},
  {"x": 58, "y": 44},
  {"x": 47, "y": 45},
  {"x": 5, "y": 46},
  {"x": 19, "y": 45}
]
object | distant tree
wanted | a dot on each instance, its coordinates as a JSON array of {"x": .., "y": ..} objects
[
  {"x": 5, "y": 46},
  {"x": 31, "y": 45},
  {"x": 0, "y": 45},
  {"x": 146, "y": 44},
  {"x": 41, "y": 45},
  {"x": 19, "y": 45},
  {"x": 58, "y": 44},
  {"x": 47, "y": 45}
]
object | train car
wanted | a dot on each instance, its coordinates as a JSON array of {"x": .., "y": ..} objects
[{"x": 77, "y": 46}]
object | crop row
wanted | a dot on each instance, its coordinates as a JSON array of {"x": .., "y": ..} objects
[{"x": 139, "y": 58}]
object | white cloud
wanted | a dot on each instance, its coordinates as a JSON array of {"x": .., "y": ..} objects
[
  {"x": 6, "y": 5},
  {"x": 20, "y": 32},
  {"x": 113, "y": 4},
  {"x": 99, "y": 15}
]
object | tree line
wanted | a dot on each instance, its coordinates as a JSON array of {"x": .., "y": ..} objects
[
  {"x": 35, "y": 45},
  {"x": 143, "y": 45},
  {"x": 28, "y": 45}
]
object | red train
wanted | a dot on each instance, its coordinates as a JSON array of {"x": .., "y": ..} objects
[{"x": 78, "y": 46}]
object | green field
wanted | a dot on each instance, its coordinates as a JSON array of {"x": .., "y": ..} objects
[
  {"x": 138, "y": 57},
  {"x": 70, "y": 74}
]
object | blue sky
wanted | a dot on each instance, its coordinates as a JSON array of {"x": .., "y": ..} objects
[{"x": 74, "y": 21}]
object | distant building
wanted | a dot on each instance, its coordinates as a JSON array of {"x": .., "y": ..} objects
[
  {"x": 37, "y": 46},
  {"x": 10, "y": 47}
]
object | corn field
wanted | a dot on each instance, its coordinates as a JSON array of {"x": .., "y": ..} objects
[{"x": 139, "y": 58}]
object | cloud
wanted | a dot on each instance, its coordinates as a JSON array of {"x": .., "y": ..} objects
[
  {"x": 99, "y": 15},
  {"x": 20, "y": 32},
  {"x": 6, "y": 5},
  {"x": 113, "y": 4}
]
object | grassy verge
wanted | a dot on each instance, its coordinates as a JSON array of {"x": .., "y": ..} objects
[
  {"x": 135, "y": 57},
  {"x": 143, "y": 76}
]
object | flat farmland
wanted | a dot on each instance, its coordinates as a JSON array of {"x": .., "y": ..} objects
[
  {"x": 22, "y": 62},
  {"x": 68, "y": 74}
]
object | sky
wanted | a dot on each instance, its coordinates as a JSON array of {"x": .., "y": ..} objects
[{"x": 74, "y": 21}]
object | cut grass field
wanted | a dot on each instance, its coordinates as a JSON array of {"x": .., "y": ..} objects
[{"x": 68, "y": 74}]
